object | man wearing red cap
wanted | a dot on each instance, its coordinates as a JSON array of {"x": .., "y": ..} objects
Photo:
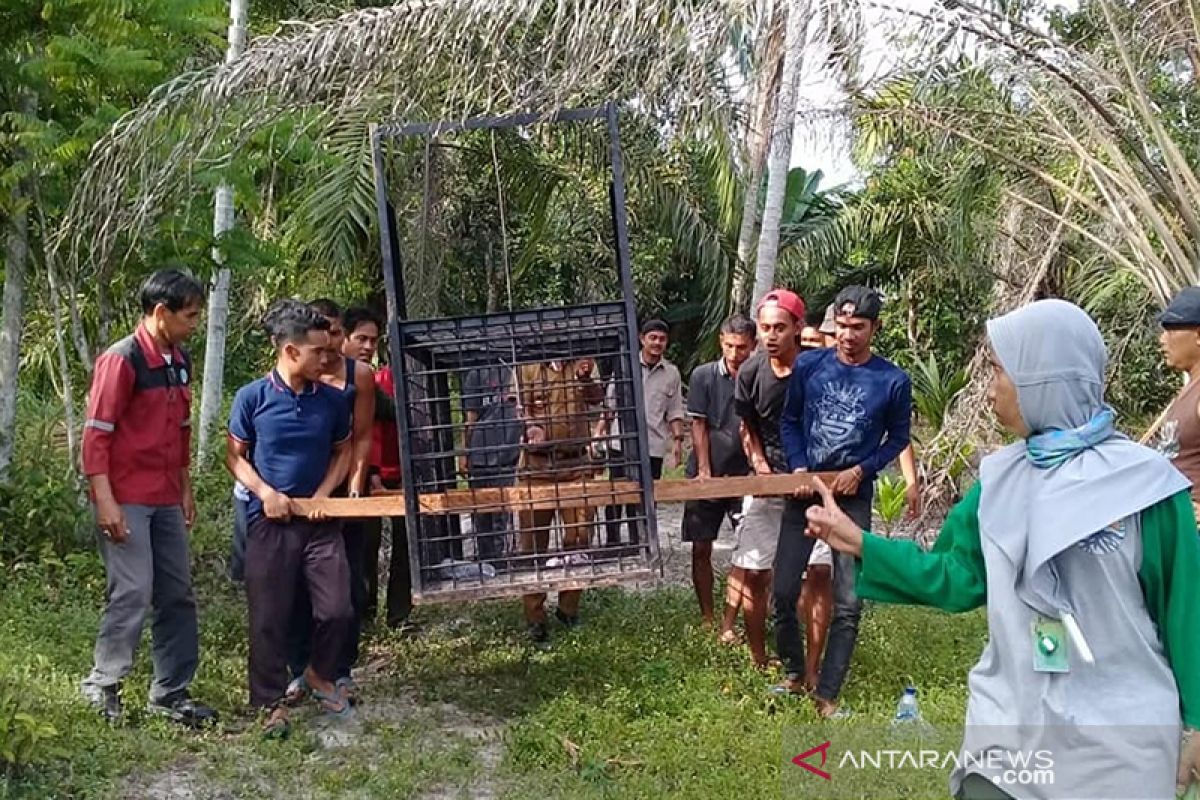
[
  {"x": 758, "y": 399},
  {"x": 848, "y": 411}
]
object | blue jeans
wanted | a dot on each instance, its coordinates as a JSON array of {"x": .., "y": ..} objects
[{"x": 791, "y": 559}]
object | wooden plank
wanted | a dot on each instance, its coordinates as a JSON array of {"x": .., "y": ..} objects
[{"x": 564, "y": 495}]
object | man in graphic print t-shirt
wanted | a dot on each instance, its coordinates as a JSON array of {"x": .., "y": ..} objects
[{"x": 847, "y": 411}]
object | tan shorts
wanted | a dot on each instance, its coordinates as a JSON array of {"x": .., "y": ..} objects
[{"x": 758, "y": 533}]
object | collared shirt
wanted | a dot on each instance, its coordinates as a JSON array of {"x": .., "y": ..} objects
[
  {"x": 710, "y": 398},
  {"x": 563, "y": 405},
  {"x": 291, "y": 435},
  {"x": 138, "y": 427},
  {"x": 662, "y": 390}
]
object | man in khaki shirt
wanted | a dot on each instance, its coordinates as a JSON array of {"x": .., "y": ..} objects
[{"x": 662, "y": 388}]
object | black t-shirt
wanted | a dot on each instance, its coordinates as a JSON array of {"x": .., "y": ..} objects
[
  {"x": 758, "y": 400},
  {"x": 495, "y": 438},
  {"x": 710, "y": 397}
]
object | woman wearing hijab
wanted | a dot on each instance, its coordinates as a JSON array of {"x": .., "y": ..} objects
[{"x": 1083, "y": 546}]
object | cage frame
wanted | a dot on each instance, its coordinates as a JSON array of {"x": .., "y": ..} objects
[{"x": 397, "y": 312}]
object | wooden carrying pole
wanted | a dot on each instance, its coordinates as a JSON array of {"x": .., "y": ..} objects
[{"x": 562, "y": 495}]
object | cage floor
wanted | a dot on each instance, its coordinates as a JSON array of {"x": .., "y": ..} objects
[{"x": 626, "y": 564}]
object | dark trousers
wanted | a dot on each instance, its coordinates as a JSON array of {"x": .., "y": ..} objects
[
  {"x": 399, "y": 586},
  {"x": 492, "y": 528},
  {"x": 615, "y": 515},
  {"x": 237, "y": 550},
  {"x": 279, "y": 556},
  {"x": 791, "y": 559},
  {"x": 301, "y": 629}
]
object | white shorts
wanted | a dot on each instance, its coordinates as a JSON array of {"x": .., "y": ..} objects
[
  {"x": 758, "y": 533},
  {"x": 821, "y": 554}
]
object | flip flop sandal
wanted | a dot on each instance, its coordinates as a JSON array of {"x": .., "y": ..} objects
[
  {"x": 334, "y": 705},
  {"x": 348, "y": 689},
  {"x": 730, "y": 639},
  {"x": 297, "y": 691},
  {"x": 788, "y": 688}
]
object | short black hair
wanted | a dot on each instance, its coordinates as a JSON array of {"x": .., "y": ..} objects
[
  {"x": 655, "y": 325},
  {"x": 326, "y": 308},
  {"x": 740, "y": 325},
  {"x": 290, "y": 321},
  {"x": 360, "y": 315},
  {"x": 173, "y": 288}
]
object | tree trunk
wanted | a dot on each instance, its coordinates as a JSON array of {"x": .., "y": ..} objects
[
  {"x": 218, "y": 298},
  {"x": 799, "y": 13},
  {"x": 83, "y": 347},
  {"x": 762, "y": 117},
  {"x": 60, "y": 336},
  {"x": 16, "y": 258},
  {"x": 64, "y": 365}
]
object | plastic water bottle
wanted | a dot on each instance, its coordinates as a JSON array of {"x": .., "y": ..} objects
[{"x": 907, "y": 709}]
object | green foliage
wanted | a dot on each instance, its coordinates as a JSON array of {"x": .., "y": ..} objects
[
  {"x": 934, "y": 389},
  {"x": 25, "y": 739},
  {"x": 42, "y": 510},
  {"x": 40, "y": 514},
  {"x": 890, "y": 499}
]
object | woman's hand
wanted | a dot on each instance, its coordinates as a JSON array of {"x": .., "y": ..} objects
[
  {"x": 1189, "y": 761},
  {"x": 830, "y": 524}
]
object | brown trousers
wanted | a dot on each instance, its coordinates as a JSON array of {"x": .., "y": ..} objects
[
  {"x": 278, "y": 556},
  {"x": 535, "y": 538}
]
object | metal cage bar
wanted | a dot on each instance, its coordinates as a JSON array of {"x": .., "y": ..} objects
[{"x": 430, "y": 357}]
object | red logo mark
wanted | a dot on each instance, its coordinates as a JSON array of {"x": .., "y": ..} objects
[{"x": 800, "y": 760}]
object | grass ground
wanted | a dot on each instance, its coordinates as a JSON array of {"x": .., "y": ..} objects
[{"x": 637, "y": 703}]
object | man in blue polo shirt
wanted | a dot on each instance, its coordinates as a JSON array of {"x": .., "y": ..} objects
[{"x": 289, "y": 436}]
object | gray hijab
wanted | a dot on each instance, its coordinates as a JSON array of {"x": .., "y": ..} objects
[{"x": 1055, "y": 355}]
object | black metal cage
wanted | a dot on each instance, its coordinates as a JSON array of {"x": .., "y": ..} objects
[{"x": 522, "y": 433}]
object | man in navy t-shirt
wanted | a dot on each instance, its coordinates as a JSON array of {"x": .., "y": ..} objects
[
  {"x": 289, "y": 436},
  {"x": 847, "y": 411}
]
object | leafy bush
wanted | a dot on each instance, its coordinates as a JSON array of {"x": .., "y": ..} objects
[
  {"x": 934, "y": 389},
  {"x": 42, "y": 513},
  {"x": 24, "y": 739},
  {"x": 889, "y": 499}
]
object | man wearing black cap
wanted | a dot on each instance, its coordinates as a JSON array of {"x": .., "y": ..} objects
[
  {"x": 1179, "y": 431},
  {"x": 847, "y": 411}
]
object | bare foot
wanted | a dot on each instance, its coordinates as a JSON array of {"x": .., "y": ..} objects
[
  {"x": 730, "y": 638},
  {"x": 825, "y": 708},
  {"x": 319, "y": 684}
]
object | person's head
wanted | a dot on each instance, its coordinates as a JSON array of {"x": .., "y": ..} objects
[
  {"x": 1180, "y": 338},
  {"x": 856, "y": 315},
  {"x": 1048, "y": 361},
  {"x": 362, "y": 329},
  {"x": 811, "y": 339},
  {"x": 337, "y": 334},
  {"x": 780, "y": 315},
  {"x": 828, "y": 327},
  {"x": 737, "y": 340},
  {"x": 172, "y": 303},
  {"x": 654, "y": 336},
  {"x": 300, "y": 335}
]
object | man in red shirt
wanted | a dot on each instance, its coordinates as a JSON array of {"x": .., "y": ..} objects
[{"x": 136, "y": 446}]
